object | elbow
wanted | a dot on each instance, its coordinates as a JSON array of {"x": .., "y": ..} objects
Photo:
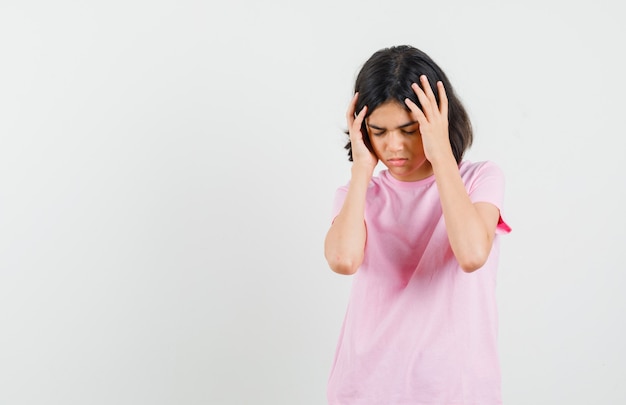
[
  {"x": 469, "y": 266},
  {"x": 344, "y": 266},
  {"x": 472, "y": 262}
]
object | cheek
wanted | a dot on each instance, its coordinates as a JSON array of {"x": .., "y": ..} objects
[
  {"x": 417, "y": 145},
  {"x": 377, "y": 144}
]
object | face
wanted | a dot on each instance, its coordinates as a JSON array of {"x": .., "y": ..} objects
[{"x": 397, "y": 142}]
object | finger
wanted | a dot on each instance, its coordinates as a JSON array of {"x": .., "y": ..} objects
[
  {"x": 352, "y": 109},
  {"x": 429, "y": 92},
  {"x": 423, "y": 99},
  {"x": 418, "y": 115},
  {"x": 443, "y": 99},
  {"x": 427, "y": 89},
  {"x": 355, "y": 132},
  {"x": 358, "y": 121}
]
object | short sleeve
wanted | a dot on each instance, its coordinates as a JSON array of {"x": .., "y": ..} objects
[{"x": 485, "y": 183}]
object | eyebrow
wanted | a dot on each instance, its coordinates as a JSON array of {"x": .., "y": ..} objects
[{"x": 408, "y": 124}]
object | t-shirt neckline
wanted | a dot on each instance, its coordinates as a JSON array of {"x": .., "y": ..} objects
[{"x": 407, "y": 184}]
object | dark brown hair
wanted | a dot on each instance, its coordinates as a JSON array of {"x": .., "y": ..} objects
[{"x": 387, "y": 76}]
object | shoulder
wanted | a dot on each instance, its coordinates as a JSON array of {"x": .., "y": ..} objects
[
  {"x": 472, "y": 169},
  {"x": 472, "y": 172},
  {"x": 484, "y": 182}
]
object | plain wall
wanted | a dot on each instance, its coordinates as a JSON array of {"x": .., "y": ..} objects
[{"x": 167, "y": 171}]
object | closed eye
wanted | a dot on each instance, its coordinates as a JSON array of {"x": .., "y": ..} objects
[{"x": 409, "y": 132}]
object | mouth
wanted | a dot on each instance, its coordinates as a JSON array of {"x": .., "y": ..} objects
[{"x": 396, "y": 161}]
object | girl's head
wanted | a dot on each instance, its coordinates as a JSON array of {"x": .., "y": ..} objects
[{"x": 387, "y": 76}]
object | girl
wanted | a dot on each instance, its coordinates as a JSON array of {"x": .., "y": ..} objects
[{"x": 421, "y": 241}]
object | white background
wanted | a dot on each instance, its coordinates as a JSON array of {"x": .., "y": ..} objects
[{"x": 167, "y": 171}]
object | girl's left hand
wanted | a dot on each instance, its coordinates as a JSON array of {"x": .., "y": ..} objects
[{"x": 432, "y": 119}]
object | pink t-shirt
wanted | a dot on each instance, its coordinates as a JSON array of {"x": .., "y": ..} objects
[{"x": 418, "y": 330}]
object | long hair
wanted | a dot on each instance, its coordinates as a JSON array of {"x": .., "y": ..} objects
[{"x": 387, "y": 76}]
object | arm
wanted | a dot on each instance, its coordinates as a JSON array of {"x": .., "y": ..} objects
[
  {"x": 470, "y": 227},
  {"x": 345, "y": 241}
]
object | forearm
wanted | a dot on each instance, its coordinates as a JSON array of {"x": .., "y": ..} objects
[
  {"x": 345, "y": 241},
  {"x": 468, "y": 226}
]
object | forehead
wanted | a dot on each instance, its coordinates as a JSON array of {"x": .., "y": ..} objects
[{"x": 390, "y": 114}]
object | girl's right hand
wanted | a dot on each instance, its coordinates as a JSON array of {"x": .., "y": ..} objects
[{"x": 361, "y": 155}]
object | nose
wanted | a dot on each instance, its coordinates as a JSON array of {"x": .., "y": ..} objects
[{"x": 395, "y": 141}]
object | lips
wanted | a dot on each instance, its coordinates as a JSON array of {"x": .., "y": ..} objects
[{"x": 396, "y": 161}]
